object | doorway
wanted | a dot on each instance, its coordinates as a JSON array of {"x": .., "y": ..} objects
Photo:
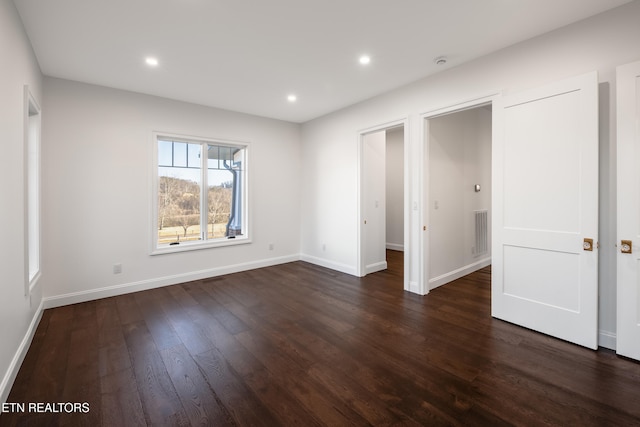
[
  {"x": 383, "y": 188},
  {"x": 544, "y": 207},
  {"x": 458, "y": 183}
]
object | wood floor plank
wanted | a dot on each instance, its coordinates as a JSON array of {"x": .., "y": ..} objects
[
  {"x": 120, "y": 400},
  {"x": 245, "y": 408},
  {"x": 107, "y": 313},
  {"x": 202, "y": 405},
  {"x": 156, "y": 320},
  {"x": 366, "y": 404},
  {"x": 128, "y": 310},
  {"x": 82, "y": 382},
  {"x": 113, "y": 353},
  {"x": 51, "y": 367},
  {"x": 217, "y": 310},
  {"x": 160, "y": 401},
  {"x": 284, "y": 406},
  {"x": 329, "y": 408}
]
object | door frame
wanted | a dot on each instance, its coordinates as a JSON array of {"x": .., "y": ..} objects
[
  {"x": 402, "y": 122},
  {"x": 476, "y": 102}
]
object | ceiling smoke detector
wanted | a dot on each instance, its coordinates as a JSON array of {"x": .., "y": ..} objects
[{"x": 440, "y": 60}]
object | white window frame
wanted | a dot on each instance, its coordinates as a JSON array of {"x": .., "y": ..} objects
[
  {"x": 32, "y": 191},
  {"x": 157, "y": 249}
]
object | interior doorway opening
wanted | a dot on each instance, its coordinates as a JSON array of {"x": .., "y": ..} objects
[
  {"x": 383, "y": 189},
  {"x": 458, "y": 199}
]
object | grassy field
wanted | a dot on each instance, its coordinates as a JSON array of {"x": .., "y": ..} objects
[{"x": 176, "y": 234}]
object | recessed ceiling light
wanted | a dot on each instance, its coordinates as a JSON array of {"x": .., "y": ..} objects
[
  {"x": 365, "y": 59},
  {"x": 292, "y": 98},
  {"x": 152, "y": 62}
]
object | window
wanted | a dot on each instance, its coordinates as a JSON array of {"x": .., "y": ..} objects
[
  {"x": 200, "y": 193},
  {"x": 32, "y": 190}
]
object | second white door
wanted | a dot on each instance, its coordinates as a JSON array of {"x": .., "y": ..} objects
[{"x": 628, "y": 257}]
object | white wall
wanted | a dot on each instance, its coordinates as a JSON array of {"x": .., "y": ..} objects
[
  {"x": 459, "y": 157},
  {"x": 97, "y": 191},
  {"x": 329, "y": 151},
  {"x": 395, "y": 188},
  {"x": 17, "y": 313}
]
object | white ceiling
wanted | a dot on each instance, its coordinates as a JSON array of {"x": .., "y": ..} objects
[{"x": 248, "y": 55}]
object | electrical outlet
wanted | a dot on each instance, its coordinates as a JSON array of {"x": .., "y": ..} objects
[
  {"x": 271, "y": 246},
  {"x": 324, "y": 247},
  {"x": 117, "y": 268}
]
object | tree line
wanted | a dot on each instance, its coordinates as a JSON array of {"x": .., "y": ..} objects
[{"x": 179, "y": 203}]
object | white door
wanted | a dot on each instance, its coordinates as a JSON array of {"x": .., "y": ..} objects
[
  {"x": 373, "y": 202},
  {"x": 628, "y": 257},
  {"x": 545, "y": 207}
]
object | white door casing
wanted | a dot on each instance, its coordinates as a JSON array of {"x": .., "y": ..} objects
[
  {"x": 628, "y": 209},
  {"x": 545, "y": 203}
]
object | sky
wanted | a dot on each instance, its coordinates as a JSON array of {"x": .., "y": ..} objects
[{"x": 183, "y": 160}]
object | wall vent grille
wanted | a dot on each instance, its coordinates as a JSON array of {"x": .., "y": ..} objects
[{"x": 481, "y": 232}]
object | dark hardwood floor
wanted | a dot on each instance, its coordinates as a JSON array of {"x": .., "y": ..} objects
[{"x": 300, "y": 345}]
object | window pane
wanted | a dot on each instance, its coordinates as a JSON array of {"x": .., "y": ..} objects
[
  {"x": 219, "y": 203},
  {"x": 180, "y": 154},
  {"x": 212, "y": 156},
  {"x": 165, "y": 153},
  {"x": 238, "y": 159},
  {"x": 226, "y": 157},
  {"x": 179, "y": 197},
  {"x": 193, "y": 159},
  {"x": 225, "y": 191},
  {"x": 33, "y": 195}
]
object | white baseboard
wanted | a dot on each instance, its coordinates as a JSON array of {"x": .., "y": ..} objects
[
  {"x": 322, "y": 262},
  {"x": 18, "y": 358},
  {"x": 125, "y": 288},
  {"x": 607, "y": 339},
  {"x": 395, "y": 247},
  {"x": 460, "y": 272},
  {"x": 378, "y": 266}
]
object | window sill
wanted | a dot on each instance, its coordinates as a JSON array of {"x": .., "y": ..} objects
[{"x": 195, "y": 246}]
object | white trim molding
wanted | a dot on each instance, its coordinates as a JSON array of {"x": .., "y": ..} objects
[
  {"x": 458, "y": 273},
  {"x": 323, "y": 262},
  {"x": 607, "y": 339},
  {"x": 395, "y": 247},
  {"x": 378, "y": 266},
  {"x": 126, "y": 288},
  {"x": 21, "y": 352}
]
